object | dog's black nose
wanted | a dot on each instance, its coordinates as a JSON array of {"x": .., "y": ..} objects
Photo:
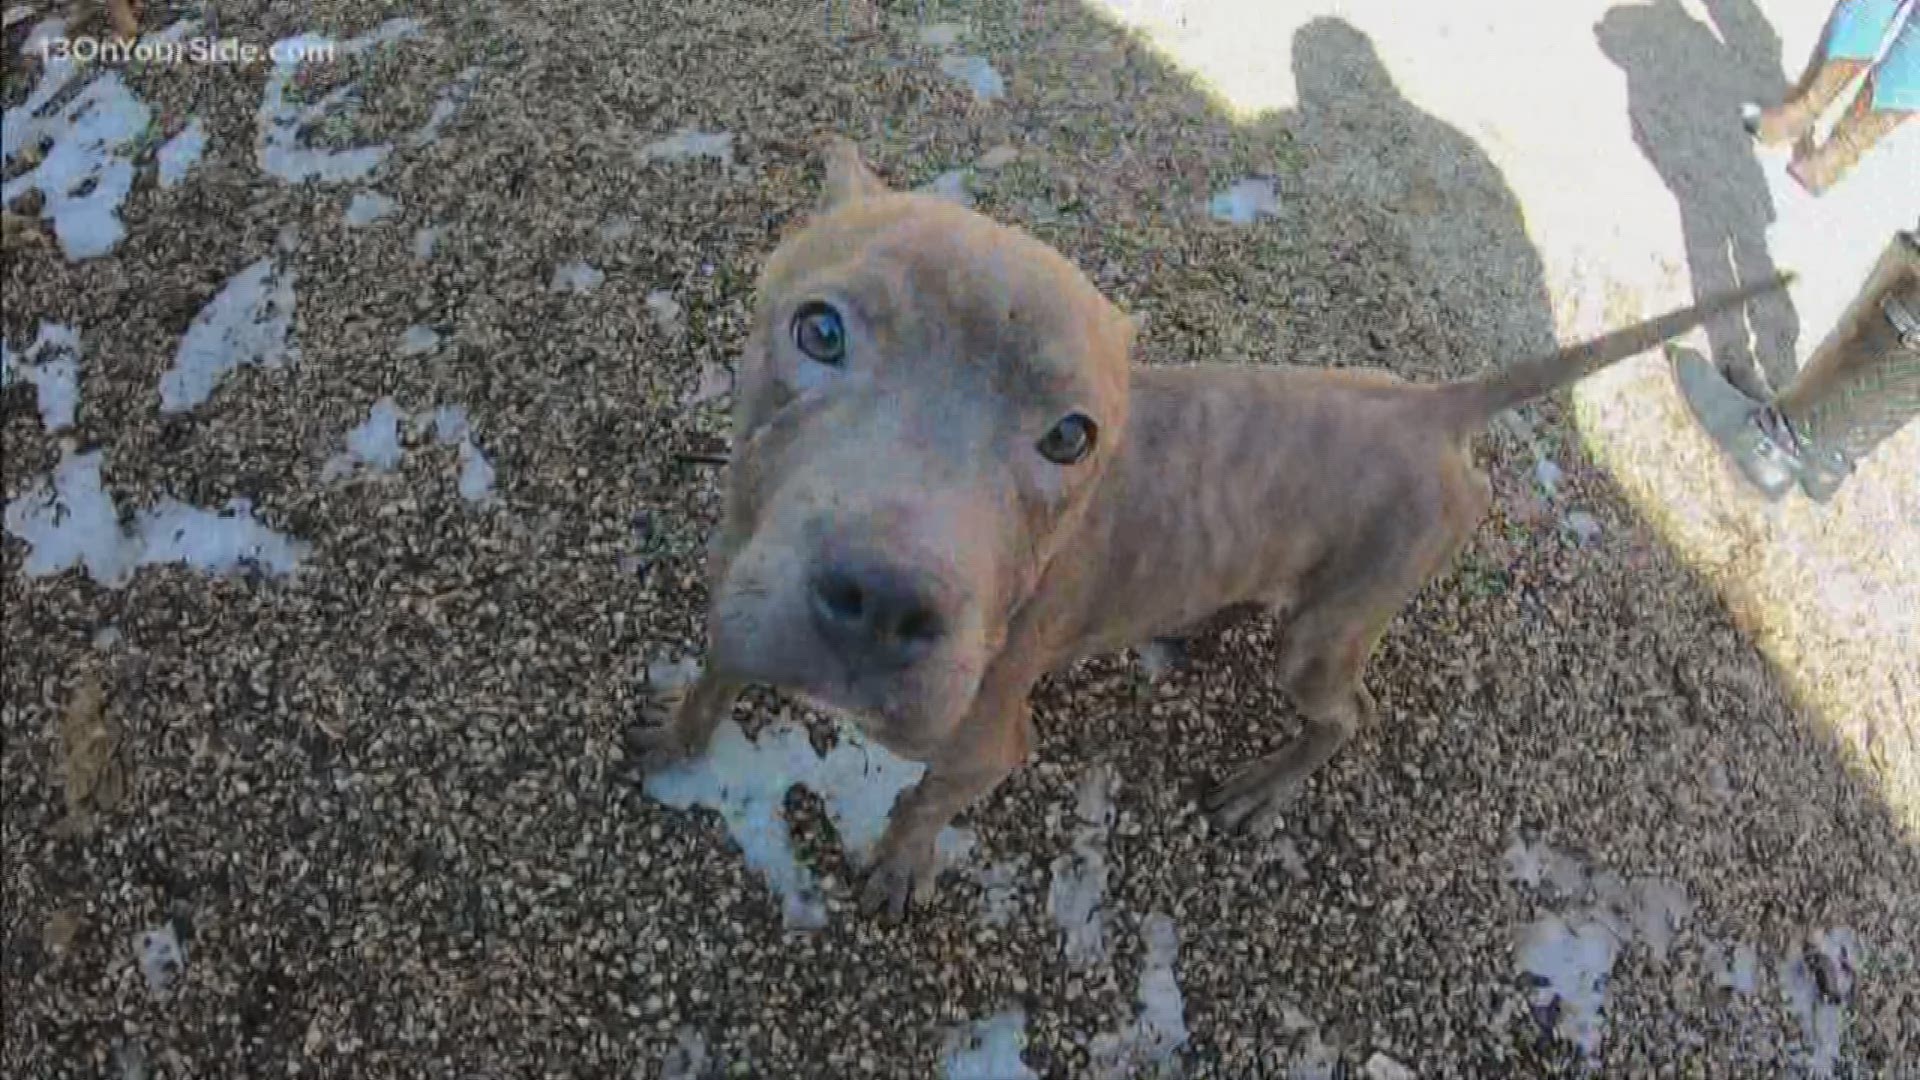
[{"x": 881, "y": 616}]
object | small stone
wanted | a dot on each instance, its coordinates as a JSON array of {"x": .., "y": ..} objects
[
  {"x": 368, "y": 207},
  {"x": 666, "y": 312},
  {"x": 951, "y": 186},
  {"x": 977, "y": 73},
  {"x": 1382, "y": 1067},
  {"x": 1584, "y": 526},
  {"x": 998, "y": 158},
  {"x": 161, "y": 957},
  {"x": 1245, "y": 201},
  {"x": 576, "y": 277},
  {"x": 942, "y": 35},
  {"x": 1548, "y": 475}
]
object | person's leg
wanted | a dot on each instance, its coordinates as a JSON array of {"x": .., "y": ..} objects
[
  {"x": 1849, "y": 42},
  {"x": 1890, "y": 95},
  {"x": 1863, "y": 383},
  {"x": 1861, "y": 386}
]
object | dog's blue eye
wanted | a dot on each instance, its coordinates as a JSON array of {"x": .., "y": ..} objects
[
  {"x": 818, "y": 332},
  {"x": 1069, "y": 441}
]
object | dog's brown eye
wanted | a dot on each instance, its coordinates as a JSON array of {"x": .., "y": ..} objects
[
  {"x": 818, "y": 332},
  {"x": 1069, "y": 441}
]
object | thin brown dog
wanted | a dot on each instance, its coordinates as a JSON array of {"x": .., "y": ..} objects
[{"x": 948, "y": 480}]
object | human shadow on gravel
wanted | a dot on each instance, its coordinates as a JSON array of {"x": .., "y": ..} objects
[{"x": 1686, "y": 81}]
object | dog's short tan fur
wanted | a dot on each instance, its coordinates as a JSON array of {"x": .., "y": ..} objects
[{"x": 1327, "y": 497}]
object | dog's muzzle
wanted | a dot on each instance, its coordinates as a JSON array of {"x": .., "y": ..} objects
[{"x": 876, "y": 617}]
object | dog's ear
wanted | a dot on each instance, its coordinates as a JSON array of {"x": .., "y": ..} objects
[{"x": 848, "y": 180}]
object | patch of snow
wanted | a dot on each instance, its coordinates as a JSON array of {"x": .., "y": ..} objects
[
  {"x": 161, "y": 957},
  {"x": 987, "y": 1049},
  {"x": 689, "y": 143},
  {"x": 182, "y": 152},
  {"x": 1158, "y": 659},
  {"x": 1382, "y": 1067},
  {"x": 419, "y": 339},
  {"x": 1736, "y": 969},
  {"x": 52, "y": 365},
  {"x": 175, "y": 33},
  {"x": 688, "y": 1059},
  {"x": 89, "y": 141},
  {"x": 669, "y": 675},
  {"x": 1316, "y": 1060},
  {"x": 997, "y": 158},
  {"x": 1570, "y": 963},
  {"x": 449, "y": 104},
  {"x": 72, "y": 523},
  {"x": 978, "y": 75},
  {"x": 213, "y": 542},
  {"x": 247, "y": 323},
  {"x": 279, "y": 148},
  {"x": 942, "y": 35},
  {"x": 1659, "y": 909},
  {"x": 951, "y": 185},
  {"x": 953, "y": 847},
  {"x": 426, "y": 240},
  {"x": 747, "y": 781},
  {"x": 106, "y": 638},
  {"x": 577, "y": 276},
  {"x": 130, "y": 1058},
  {"x": 1584, "y": 526},
  {"x": 1077, "y": 892},
  {"x": 1161, "y": 1027},
  {"x": 1245, "y": 201},
  {"x": 666, "y": 312},
  {"x": 616, "y": 229},
  {"x": 367, "y": 207},
  {"x": 376, "y": 441},
  {"x": 1548, "y": 475},
  {"x": 1817, "y": 985},
  {"x": 999, "y": 886},
  {"x": 448, "y": 424},
  {"x": 476, "y": 473},
  {"x": 1569, "y": 955}
]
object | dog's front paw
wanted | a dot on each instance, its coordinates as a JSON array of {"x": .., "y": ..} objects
[
  {"x": 656, "y": 747},
  {"x": 1252, "y": 799},
  {"x": 901, "y": 876},
  {"x": 660, "y": 738}
]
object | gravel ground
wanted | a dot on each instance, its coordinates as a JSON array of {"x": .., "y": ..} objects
[{"x": 368, "y": 819}]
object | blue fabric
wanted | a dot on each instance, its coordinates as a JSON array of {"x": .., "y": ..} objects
[
  {"x": 1896, "y": 81},
  {"x": 1857, "y": 28},
  {"x": 1856, "y": 31}
]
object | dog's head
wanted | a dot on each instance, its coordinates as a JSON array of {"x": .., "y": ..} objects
[{"x": 926, "y": 404}]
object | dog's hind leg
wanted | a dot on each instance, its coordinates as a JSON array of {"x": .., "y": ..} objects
[
  {"x": 1328, "y": 639},
  {"x": 1332, "y": 634},
  {"x": 1326, "y": 652}
]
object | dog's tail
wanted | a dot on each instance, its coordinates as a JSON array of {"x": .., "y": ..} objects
[{"x": 1473, "y": 402}]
